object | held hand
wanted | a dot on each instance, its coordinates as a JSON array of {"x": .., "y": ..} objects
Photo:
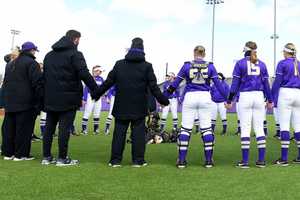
[
  {"x": 269, "y": 105},
  {"x": 83, "y": 103},
  {"x": 107, "y": 100},
  {"x": 228, "y": 106}
]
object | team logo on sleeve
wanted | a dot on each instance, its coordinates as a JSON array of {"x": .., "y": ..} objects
[{"x": 199, "y": 73}]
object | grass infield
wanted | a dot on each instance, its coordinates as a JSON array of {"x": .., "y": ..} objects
[{"x": 93, "y": 179}]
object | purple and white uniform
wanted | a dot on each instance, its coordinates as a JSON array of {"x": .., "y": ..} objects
[
  {"x": 111, "y": 98},
  {"x": 173, "y": 98},
  {"x": 91, "y": 106},
  {"x": 251, "y": 80},
  {"x": 218, "y": 105},
  {"x": 197, "y": 101},
  {"x": 287, "y": 88}
]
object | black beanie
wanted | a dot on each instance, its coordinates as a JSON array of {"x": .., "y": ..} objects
[
  {"x": 137, "y": 43},
  {"x": 7, "y": 58}
]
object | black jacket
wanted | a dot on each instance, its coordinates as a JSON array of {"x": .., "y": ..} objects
[
  {"x": 132, "y": 77},
  {"x": 23, "y": 84},
  {"x": 64, "y": 69}
]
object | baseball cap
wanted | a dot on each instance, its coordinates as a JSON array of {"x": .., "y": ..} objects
[{"x": 27, "y": 46}]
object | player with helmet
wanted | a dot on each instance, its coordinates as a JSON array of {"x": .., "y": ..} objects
[
  {"x": 197, "y": 99},
  {"x": 170, "y": 77},
  {"x": 218, "y": 105},
  {"x": 251, "y": 79},
  {"x": 90, "y": 104},
  {"x": 287, "y": 87}
]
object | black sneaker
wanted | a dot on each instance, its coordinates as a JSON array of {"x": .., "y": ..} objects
[
  {"x": 35, "y": 138},
  {"x": 114, "y": 164},
  {"x": 242, "y": 165},
  {"x": 277, "y": 136},
  {"x": 181, "y": 164},
  {"x": 208, "y": 164},
  {"x": 48, "y": 161},
  {"x": 96, "y": 132},
  {"x": 281, "y": 163},
  {"x": 139, "y": 164},
  {"x": 296, "y": 161},
  {"x": 66, "y": 162},
  {"x": 260, "y": 164}
]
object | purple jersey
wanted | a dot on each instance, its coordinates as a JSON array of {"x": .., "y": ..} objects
[
  {"x": 197, "y": 75},
  {"x": 251, "y": 75},
  {"x": 175, "y": 94},
  {"x": 99, "y": 80},
  {"x": 291, "y": 78},
  {"x": 215, "y": 94},
  {"x": 287, "y": 76}
]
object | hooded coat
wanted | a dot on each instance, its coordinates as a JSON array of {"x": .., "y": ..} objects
[
  {"x": 64, "y": 69},
  {"x": 132, "y": 77}
]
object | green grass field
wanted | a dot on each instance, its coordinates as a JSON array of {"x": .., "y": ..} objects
[{"x": 93, "y": 179}]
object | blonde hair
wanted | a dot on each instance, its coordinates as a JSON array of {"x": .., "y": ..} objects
[
  {"x": 293, "y": 52},
  {"x": 15, "y": 53}
]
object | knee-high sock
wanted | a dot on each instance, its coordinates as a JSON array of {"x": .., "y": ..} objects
[
  {"x": 175, "y": 123},
  {"x": 208, "y": 141},
  {"x": 266, "y": 127},
  {"x": 43, "y": 126},
  {"x": 277, "y": 130},
  {"x": 163, "y": 124},
  {"x": 96, "y": 124},
  {"x": 297, "y": 138},
  {"x": 183, "y": 143},
  {"x": 261, "y": 145},
  {"x": 239, "y": 126},
  {"x": 224, "y": 122},
  {"x": 84, "y": 124},
  {"x": 107, "y": 124},
  {"x": 213, "y": 125},
  {"x": 197, "y": 125},
  {"x": 285, "y": 142},
  {"x": 245, "y": 143}
]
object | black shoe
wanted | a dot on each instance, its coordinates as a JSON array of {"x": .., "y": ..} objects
[
  {"x": 242, "y": 165},
  {"x": 237, "y": 133},
  {"x": 139, "y": 164},
  {"x": 114, "y": 164},
  {"x": 296, "y": 161},
  {"x": 48, "y": 160},
  {"x": 260, "y": 164},
  {"x": 281, "y": 163},
  {"x": 277, "y": 137},
  {"x": 208, "y": 164},
  {"x": 35, "y": 138},
  {"x": 181, "y": 164},
  {"x": 223, "y": 133},
  {"x": 66, "y": 162}
]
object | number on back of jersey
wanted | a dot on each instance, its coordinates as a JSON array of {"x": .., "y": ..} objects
[{"x": 199, "y": 73}]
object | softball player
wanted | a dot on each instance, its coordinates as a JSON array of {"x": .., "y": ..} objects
[
  {"x": 43, "y": 117},
  {"x": 110, "y": 99},
  {"x": 250, "y": 78},
  {"x": 238, "y": 131},
  {"x": 287, "y": 87},
  {"x": 91, "y": 105},
  {"x": 197, "y": 100},
  {"x": 218, "y": 105},
  {"x": 173, "y": 103}
]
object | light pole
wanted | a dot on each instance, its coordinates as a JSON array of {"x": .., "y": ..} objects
[
  {"x": 275, "y": 36},
  {"x": 213, "y": 3},
  {"x": 14, "y": 32}
]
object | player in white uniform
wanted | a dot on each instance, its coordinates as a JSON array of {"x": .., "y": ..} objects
[
  {"x": 197, "y": 100},
  {"x": 173, "y": 104},
  {"x": 287, "y": 88},
  {"x": 92, "y": 105},
  {"x": 110, "y": 98},
  {"x": 250, "y": 78}
]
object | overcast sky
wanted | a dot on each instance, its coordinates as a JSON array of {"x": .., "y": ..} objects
[{"x": 170, "y": 28}]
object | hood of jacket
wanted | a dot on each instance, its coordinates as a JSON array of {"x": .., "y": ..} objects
[
  {"x": 63, "y": 44},
  {"x": 135, "y": 56}
]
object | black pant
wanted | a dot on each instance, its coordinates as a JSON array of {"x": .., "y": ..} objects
[
  {"x": 65, "y": 120},
  {"x": 137, "y": 136},
  {"x": 17, "y": 129}
]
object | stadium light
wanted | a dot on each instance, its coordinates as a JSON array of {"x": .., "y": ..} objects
[
  {"x": 275, "y": 36},
  {"x": 14, "y": 32},
  {"x": 213, "y": 3}
]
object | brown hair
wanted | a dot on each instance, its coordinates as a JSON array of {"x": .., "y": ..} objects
[{"x": 199, "y": 50}]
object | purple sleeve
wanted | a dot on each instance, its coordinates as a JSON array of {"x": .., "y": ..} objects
[
  {"x": 277, "y": 83},
  {"x": 180, "y": 76},
  {"x": 85, "y": 93},
  {"x": 212, "y": 72},
  {"x": 234, "y": 88},
  {"x": 237, "y": 71},
  {"x": 226, "y": 87},
  {"x": 267, "y": 90},
  {"x": 219, "y": 87}
]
